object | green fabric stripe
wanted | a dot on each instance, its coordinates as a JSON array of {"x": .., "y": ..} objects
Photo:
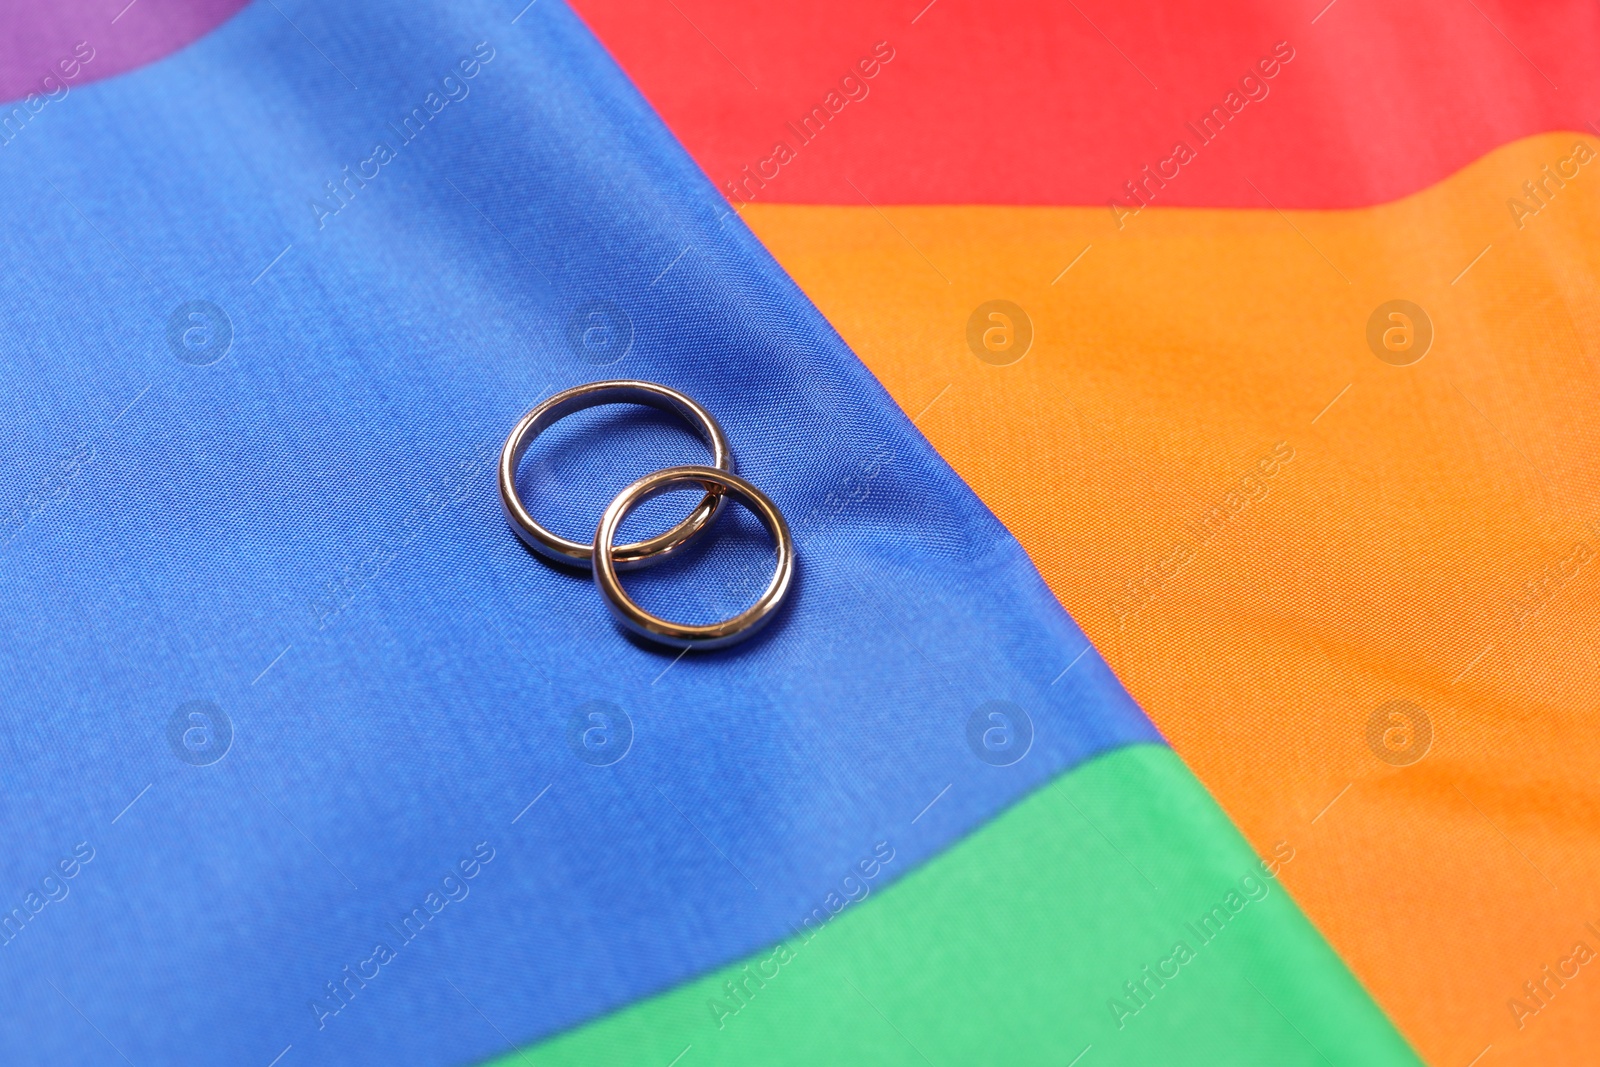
[{"x": 1008, "y": 948}]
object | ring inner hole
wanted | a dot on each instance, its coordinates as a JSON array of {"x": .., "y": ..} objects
[
  {"x": 574, "y": 468},
  {"x": 713, "y": 577}
]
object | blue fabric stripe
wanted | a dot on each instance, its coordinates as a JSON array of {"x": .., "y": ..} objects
[{"x": 304, "y": 536}]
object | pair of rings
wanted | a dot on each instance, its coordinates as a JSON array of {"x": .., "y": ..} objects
[{"x": 606, "y": 558}]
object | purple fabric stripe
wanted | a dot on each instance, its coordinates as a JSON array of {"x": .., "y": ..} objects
[{"x": 44, "y": 45}]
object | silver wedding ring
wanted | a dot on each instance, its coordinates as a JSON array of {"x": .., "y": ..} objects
[
  {"x": 606, "y": 559},
  {"x": 717, "y": 483},
  {"x": 643, "y": 553}
]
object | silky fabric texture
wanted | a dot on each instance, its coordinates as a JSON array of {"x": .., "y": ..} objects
[
  {"x": 51, "y": 49},
  {"x": 1328, "y": 104},
  {"x": 1357, "y": 598},
  {"x": 250, "y": 419},
  {"x": 1172, "y": 943},
  {"x": 1353, "y": 586}
]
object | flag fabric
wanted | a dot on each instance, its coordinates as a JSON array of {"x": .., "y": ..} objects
[{"x": 1255, "y": 344}]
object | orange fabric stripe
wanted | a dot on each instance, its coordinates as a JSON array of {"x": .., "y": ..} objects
[{"x": 1274, "y": 534}]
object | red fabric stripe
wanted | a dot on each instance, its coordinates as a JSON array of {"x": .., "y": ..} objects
[{"x": 1063, "y": 102}]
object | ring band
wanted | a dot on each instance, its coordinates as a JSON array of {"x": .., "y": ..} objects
[
  {"x": 627, "y": 557},
  {"x": 718, "y": 483}
]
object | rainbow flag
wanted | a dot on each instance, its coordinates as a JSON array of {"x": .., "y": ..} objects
[{"x": 1185, "y": 421}]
